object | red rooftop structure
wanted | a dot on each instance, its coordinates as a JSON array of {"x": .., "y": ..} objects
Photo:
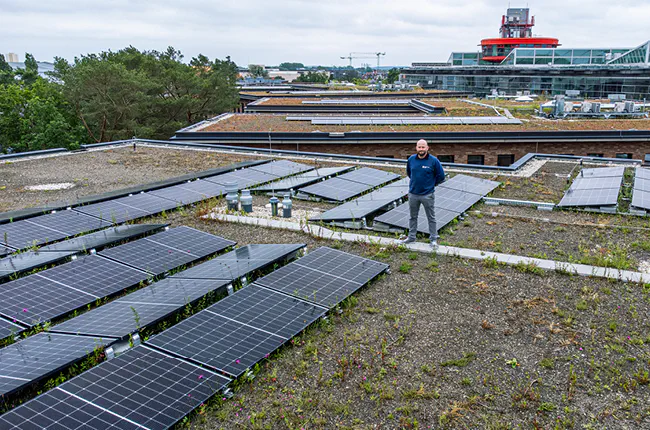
[{"x": 516, "y": 32}]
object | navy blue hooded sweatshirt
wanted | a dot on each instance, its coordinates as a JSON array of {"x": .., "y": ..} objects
[{"x": 425, "y": 174}]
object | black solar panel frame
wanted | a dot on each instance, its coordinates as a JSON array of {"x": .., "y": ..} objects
[
  {"x": 179, "y": 194},
  {"x": 103, "y": 238},
  {"x": 268, "y": 310},
  {"x": 600, "y": 172},
  {"x": 342, "y": 265},
  {"x": 39, "y": 356},
  {"x": 469, "y": 184},
  {"x": 148, "y": 202},
  {"x": 281, "y": 168},
  {"x": 301, "y": 180},
  {"x": 353, "y": 210},
  {"x": 590, "y": 197},
  {"x": 160, "y": 389},
  {"x": 369, "y": 176},
  {"x": 216, "y": 342},
  {"x": 206, "y": 189},
  {"x": 236, "y": 264},
  {"x": 69, "y": 222},
  {"x": 111, "y": 211},
  {"x": 596, "y": 183},
  {"x": 59, "y": 409},
  {"x": 23, "y": 234},
  {"x": 336, "y": 189},
  {"x": 141, "y": 309},
  {"x": 4, "y": 251}
]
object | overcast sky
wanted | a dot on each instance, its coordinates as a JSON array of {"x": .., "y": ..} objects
[{"x": 312, "y": 32}]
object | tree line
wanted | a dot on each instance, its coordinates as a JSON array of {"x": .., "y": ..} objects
[{"x": 110, "y": 96}]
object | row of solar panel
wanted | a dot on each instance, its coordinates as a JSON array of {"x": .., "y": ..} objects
[
  {"x": 641, "y": 191},
  {"x": 151, "y": 387},
  {"x": 12, "y": 266},
  {"x": 348, "y": 185},
  {"x": 58, "y": 291},
  {"x": 56, "y": 226},
  {"x": 367, "y": 204},
  {"x": 452, "y": 198},
  {"x": 38, "y": 356},
  {"x": 594, "y": 187}
]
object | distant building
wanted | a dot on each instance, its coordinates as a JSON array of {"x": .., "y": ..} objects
[
  {"x": 12, "y": 58},
  {"x": 518, "y": 62},
  {"x": 43, "y": 67}
]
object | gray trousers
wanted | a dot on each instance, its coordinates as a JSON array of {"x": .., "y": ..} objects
[{"x": 428, "y": 201}]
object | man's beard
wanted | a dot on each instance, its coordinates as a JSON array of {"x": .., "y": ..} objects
[{"x": 421, "y": 153}]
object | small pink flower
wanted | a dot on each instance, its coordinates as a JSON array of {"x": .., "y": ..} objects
[
  {"x": 237, "y": 361},
  {"x": 24, "y": 309},
  {"x": 200, "y": 376}
]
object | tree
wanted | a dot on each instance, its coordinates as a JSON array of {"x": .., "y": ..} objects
[
  {"x": 314, "y": 77},
  {"x": 291, "y": 66},
  {"x": 6, "y": 72},
  {"x": 258, "y": 71},
  {"x": 29, "y": 74},
  {"x": 149, "y": 94},
  {"x": 36, "y": 117},
  {"x": 393, "y": 75},
  {"x": 350, "y": 75}
]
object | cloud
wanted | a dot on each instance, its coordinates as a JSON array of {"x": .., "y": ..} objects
[{"x": 257, "y": 31}]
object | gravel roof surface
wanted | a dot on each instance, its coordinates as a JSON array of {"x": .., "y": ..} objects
[
  {"x": 97, "y": 172},
  {"x": 277, "y": 123},
  {"x": 451, "y": 343}
]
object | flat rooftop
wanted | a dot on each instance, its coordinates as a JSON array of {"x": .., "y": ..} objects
[{"x": 441, "y": 341}]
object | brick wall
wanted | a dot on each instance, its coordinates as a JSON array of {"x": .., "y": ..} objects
[{"x": 489, "y": 150}]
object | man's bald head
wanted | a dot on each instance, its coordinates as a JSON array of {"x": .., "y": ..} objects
[{"x": 422, "y": 147}]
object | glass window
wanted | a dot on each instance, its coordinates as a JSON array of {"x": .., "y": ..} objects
[
  {"x": 595, "y": 154},
  {"x": 458, "y": 55},
  {"x": 505, "y": 159},
  {"x": 561, "y": 61},
  {"x": 524, "y": 60},
  {"x": 543, "y": 60},
  {"x": 476, "y": 159},
  {"x": 446, "y": 158},
  {"x": 627, "y": 156},
  {"x": 581, "y": 52},
  {"x": 563, "y": 52},
  {"x": 544, "y": 52},
  {"x": 581, "y": 60},
  {"x": 647, "y": 158},
  {"x": 525, "y": 52}
]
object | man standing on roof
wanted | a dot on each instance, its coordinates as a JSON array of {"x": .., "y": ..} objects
[{"x": 425, "y": 172}]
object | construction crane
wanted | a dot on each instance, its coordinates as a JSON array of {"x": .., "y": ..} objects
[{"x": 363, "y": 55}]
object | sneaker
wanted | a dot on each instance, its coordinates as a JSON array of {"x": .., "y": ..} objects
[
  {"x": 404, "y": 241},
  {"x": 434, "y": 245}
]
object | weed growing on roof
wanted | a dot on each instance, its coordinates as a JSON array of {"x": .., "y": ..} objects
[
  {"x": 405, "y": 267},
  {"x": 467, "y": 358}
]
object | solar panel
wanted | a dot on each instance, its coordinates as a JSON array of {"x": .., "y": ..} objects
[
  {"x": 33, "y": 299},
  {"x": 601, "y": 172},
  {"x": 354, "y": 210},
  {"x": 22, "y": 234},
  {"x": 179, "y": 194},
  {"x": 140, "y": 309},
  {"x": 336, "y": 189},
  {"x": 102, "y": 238},
  {"x": 240, "y": 262},
  {"x": 281, "y": 168},
  {"x": 470, "y": 184},
  {"x": 69, "y": 222},
  {"x": 641, "y": 184},
  {"x": 111, "y": 211},
  {"x": 244, "y": 178},
  {"x": 301, "y": 179},
  {"x": 39, "y": 356},
  {"x": 8, "y": 329},
  {"x": 368, "y": 176},
  {"x": 596, "y": 182},
  {"x": 590, "y": 197},
  {"x": 168, "y": 250},
  {"x": 642, "y": 173},
  {"x": 218, "y": 342},
  {"x": 641, "y": 199},
  {"x": 268, "y": 310},
  {"x": 399, "y": 217},
  {"x": 148, "y": 203},
  {"x": 142, "y": 386},
  {"x": 58, "y": 409},
  {"x": 4, "y": 251},
  {"x": 402, "y": 183},
  {"x": 29, "y": 260},
  {"x": 342, "y": 264},
  {"x": 207, "y": 189}
]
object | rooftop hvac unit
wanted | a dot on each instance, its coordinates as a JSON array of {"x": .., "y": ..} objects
[
  {"x": 595, "y": 107},
  {"x": 619, "y": 107},
  {"x": 629, "y": 107},
  {"x": 586, "y": 107}
]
